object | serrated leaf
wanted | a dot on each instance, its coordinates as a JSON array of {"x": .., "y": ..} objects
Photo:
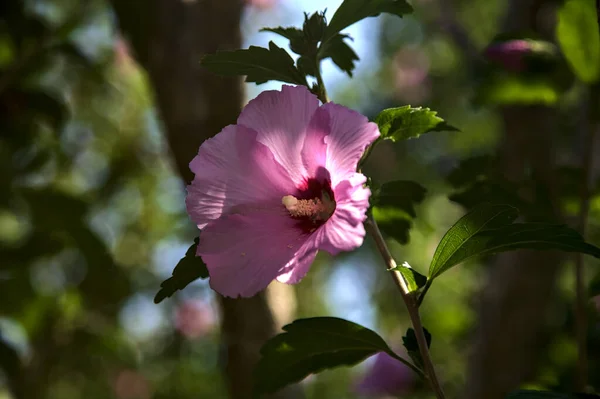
[
  {"x": 394, "y": 207},
  {"x": 259, "y": 64},
  {"x": 290, "y": 33},
  {"x": 530, "y": 394},
  {"x": 407, "y": 122},
  {"x": 189, "y": 269},
  {"x": 579, "y": 38},
  {"x": 340, "y": 53},
  {"x": 412, "y": 346},
  {"x": 312, "y": 345},
  {"x": 352, "y": 11},
  {"x": 296, "y": 37},
  {"x": 414, "y": 279},
  {"x": 488, "y": 229}
]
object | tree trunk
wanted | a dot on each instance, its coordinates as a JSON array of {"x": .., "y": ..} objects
[
  {"x": 169, "y": 37},
  {"x": 514, "y": 305}
]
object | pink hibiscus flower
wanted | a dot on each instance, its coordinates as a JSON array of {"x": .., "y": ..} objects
[{"x": 272, "y": 190}]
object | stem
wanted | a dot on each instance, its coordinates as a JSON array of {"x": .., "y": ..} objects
[
  {"x": 322, "y": 94},
  {"x": 411, "y": 305}
]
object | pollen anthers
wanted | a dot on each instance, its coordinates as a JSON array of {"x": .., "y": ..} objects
[{"x": 314, "y": 209}]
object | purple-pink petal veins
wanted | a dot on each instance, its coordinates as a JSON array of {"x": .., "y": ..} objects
[{"x": 272, "y": 190}]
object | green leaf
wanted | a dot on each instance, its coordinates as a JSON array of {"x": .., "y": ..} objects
[
  {"x": 504, "y": 89},
  {"x": 407, "y": 122},
  {"x": 314, "y": 27},
  {"x": 340, "y": 53},
  {"x": 311, "y": 345},
  {"x": 295, "y": 36},
  {"x": 188, "y": 269},
  {"x": 579, "y": 38},
  {"x": 352, "y": 11},
  {"x": 394, "y": 207},
  {"x": 488, "y": 229},
  {"x": 414, "y": 279},
  {"x": 290, "y": 33},
  {"x": 259, "y": 64},
  {"x": 412, "y": 346},
  {"x": 529, "y": 394}
]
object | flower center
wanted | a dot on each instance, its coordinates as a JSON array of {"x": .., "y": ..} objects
[{"x": 312, "y": 207}]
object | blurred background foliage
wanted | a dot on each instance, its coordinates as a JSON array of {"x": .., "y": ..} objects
[{"x": 92, "y": 215}]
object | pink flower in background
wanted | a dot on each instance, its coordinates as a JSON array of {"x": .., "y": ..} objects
[
  {"x": 509, "y": 54},
  {"x": 411, "y": 74},
  {"x": 272, "y": 190},
  {"x": 194, "y": 319},
  {"x": 387, "y": 376}
]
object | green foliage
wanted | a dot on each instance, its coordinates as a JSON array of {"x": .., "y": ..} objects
[
  {"x": 340, "y": 53},
  {"x": 529, "y": 394},
  {"x": 305, "y": 43},
  {"x": 414, "y": 280},
  {"x": 578, "y": 34},
  {"x": 259, "y": 64},
  {"x": 488, "y": 229},
  {"x": 535, "y": 74},
  {"x": 394, "y": 207},
  {"x": 409, "y": 122},
  {"x": 352, "y": 11},
  {"x": 312, "y": 345},
  {"x": 412, "y": 346},
  {"x": 189, "y": 269},
  {"x": 315, "y": 42},
  {"x": 503, "y": 89}
]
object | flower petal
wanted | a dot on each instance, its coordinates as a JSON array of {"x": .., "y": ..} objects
[
  {"x": 350, "y": 134},
  {"x": 281, "y": 119},
  {"x": 344, "y": 231},
  {"x": 314, "y": 149},
  {"x": 244, "y": 252},
  {"x": 297, "y": 268},
  {"x": 232, "y": 169}
]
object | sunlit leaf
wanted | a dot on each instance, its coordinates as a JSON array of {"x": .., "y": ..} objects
[
  {"x": 312, "y": 345},
  {"x": 259, "y": 64},
  {"x": 189, "y": 269},
  {"x": 407, "y": 122},
  {"x": 413, "y": 279},
  {"x": 352, "y": 11},
  {"x": 412, "y": 346},
  {"x": 488, "y": 229},
  {"x": 579, "y": 38}
]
